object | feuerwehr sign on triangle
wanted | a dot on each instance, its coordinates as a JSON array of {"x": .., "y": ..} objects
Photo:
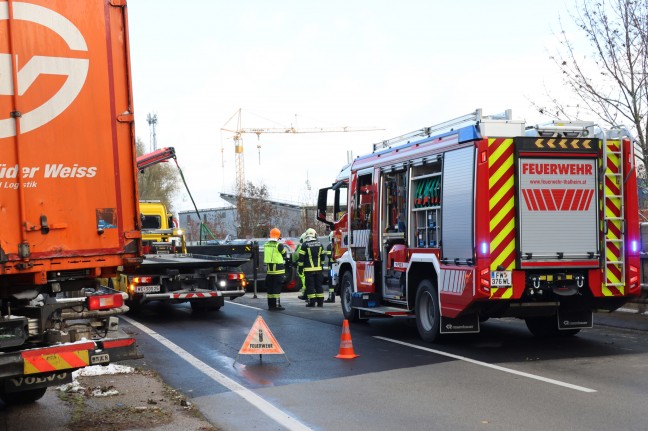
[{"x": 260, "y": 341}]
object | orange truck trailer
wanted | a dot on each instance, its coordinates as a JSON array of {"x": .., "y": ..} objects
[{"x": 68, "y": 189}]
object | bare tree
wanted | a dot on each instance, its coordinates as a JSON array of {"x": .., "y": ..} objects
[
  {"x": 256, "y": 214},
  {"x": 611, "y": 81},
  {"x": 159, "y": 182},
  {"x": 192, "y": 229},
  {"x": 212, "y": 227}
]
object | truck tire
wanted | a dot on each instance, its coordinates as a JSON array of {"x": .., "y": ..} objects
[
  {"x": 346, "y": 290},
  {"x": 547, "y": 326},
  {"x": 22, "y": 397},
  {"x": 134, "y": 305},
  {"x": 428, "y": 316},
  {"x": 206, "y": 305}
]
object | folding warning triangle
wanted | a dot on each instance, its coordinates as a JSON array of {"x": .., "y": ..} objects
[{"x": 260, "y": 340}]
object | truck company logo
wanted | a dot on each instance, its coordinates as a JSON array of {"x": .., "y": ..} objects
[
  {"x": 558, "y": 199},
  {"x": 76, "y": 69}
]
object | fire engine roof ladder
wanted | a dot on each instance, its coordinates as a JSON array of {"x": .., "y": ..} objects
[{"x": 471, "y": 119}]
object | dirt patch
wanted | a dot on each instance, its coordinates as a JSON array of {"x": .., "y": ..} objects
[
  {"x": 136, "y": 400},
  {"x": 120, "y": 418}
]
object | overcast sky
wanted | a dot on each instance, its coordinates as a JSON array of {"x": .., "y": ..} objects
[{"x": 398, "y": 66}]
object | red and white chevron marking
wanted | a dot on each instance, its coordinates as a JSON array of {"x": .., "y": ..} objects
[{"x": 193, "y": 295}]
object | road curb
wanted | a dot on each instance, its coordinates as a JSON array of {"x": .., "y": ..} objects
[{"x": 627, "y": 317}]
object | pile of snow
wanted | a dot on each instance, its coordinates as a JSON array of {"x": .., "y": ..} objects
[
  {"x": 95, "y": 370},
  {"x": 98, "y": 370}
]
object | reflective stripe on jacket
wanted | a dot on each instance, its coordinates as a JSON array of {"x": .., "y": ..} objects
[{"x": 310, "y": 256}]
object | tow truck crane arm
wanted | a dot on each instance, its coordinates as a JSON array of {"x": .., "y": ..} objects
[
  {"x": 162, "y": 155},
  {"x": 158, "y": 156}
]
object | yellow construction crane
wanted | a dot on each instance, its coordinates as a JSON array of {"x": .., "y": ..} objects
[{"x": 238, "y": 140}]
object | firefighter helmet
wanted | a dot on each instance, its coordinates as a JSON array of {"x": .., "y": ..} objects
[
  {"x": 310, "y": 233},
  {"x": 302, "y": 237},
  {"x": 275, "y": 233}
]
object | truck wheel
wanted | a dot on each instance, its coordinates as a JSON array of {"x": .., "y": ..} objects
[
  {"x": 134, "y": 305},
  {"x": 206, "y": 305},
  {"x": 346, "y": 290},
  {"x": 22, "y": 397},
  {"x": 547, "y": 326},
  {"x": 428, "y": 316}
]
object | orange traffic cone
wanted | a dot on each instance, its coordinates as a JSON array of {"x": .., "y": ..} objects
[{"x": 346, "y": 345}]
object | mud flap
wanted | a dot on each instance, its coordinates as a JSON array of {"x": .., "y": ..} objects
[
  {"x": 575, "y": 319},
  {"x": 467, "y": 324}
]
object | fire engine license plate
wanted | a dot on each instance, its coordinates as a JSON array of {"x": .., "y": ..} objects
[
  {"x": 147, "y": 289},
  {"x": 500, "y": 278}
]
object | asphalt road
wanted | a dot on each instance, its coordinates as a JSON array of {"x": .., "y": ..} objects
[{"x": 500, "y": 379}]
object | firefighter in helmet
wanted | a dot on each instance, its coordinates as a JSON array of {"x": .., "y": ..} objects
[
  {"x": 300, "y": 270},
  {"x": 329, "y": 255},
  {"x": 274, "y": 256},
  {"x": 310, "y": 260}
]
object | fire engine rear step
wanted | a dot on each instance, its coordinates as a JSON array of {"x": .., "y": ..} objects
[{"x": 383, "y": 311}]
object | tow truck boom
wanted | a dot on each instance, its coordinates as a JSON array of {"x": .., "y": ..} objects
[
  {"x": 157, "y": 156},
  {"x": 162, "y": 155}
]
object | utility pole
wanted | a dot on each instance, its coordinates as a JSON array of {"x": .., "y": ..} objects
[{"x": 152, "y": 119}]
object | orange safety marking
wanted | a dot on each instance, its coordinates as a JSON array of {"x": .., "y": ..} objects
[{"x": 56, "y": 358}]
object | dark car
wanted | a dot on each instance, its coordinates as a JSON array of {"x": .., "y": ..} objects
[{"x": 291, "y": 283}]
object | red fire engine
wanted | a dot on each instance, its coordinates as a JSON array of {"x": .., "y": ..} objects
[{"x": 483, "y": 216}]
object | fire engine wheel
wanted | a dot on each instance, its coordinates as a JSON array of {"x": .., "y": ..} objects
[
  {"x": 346, "y": 292},
  {"x": 428, "y": 316},
  {"x": 547, "y": 326},
  {"x": 22, "y": 397}
]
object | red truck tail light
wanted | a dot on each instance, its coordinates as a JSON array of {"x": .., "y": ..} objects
[
  {"x": 634, "y": 279},
  {"x": 484, "y": 280},
  {"x": 142, "y": 280},
  {"x": 102, "y": 302},
  {"x": 236, "y": 276}
]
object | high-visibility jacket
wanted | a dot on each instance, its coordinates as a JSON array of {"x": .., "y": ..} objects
[
  {"x": 274, "y": 254},
  {"x": 311, "y": 255}
]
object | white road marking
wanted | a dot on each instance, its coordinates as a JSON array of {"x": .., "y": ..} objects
[
  {"x": 495, "y": 367},
  {"x": 264, "y": 406},
  {"x": 244, "y": 305}
]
